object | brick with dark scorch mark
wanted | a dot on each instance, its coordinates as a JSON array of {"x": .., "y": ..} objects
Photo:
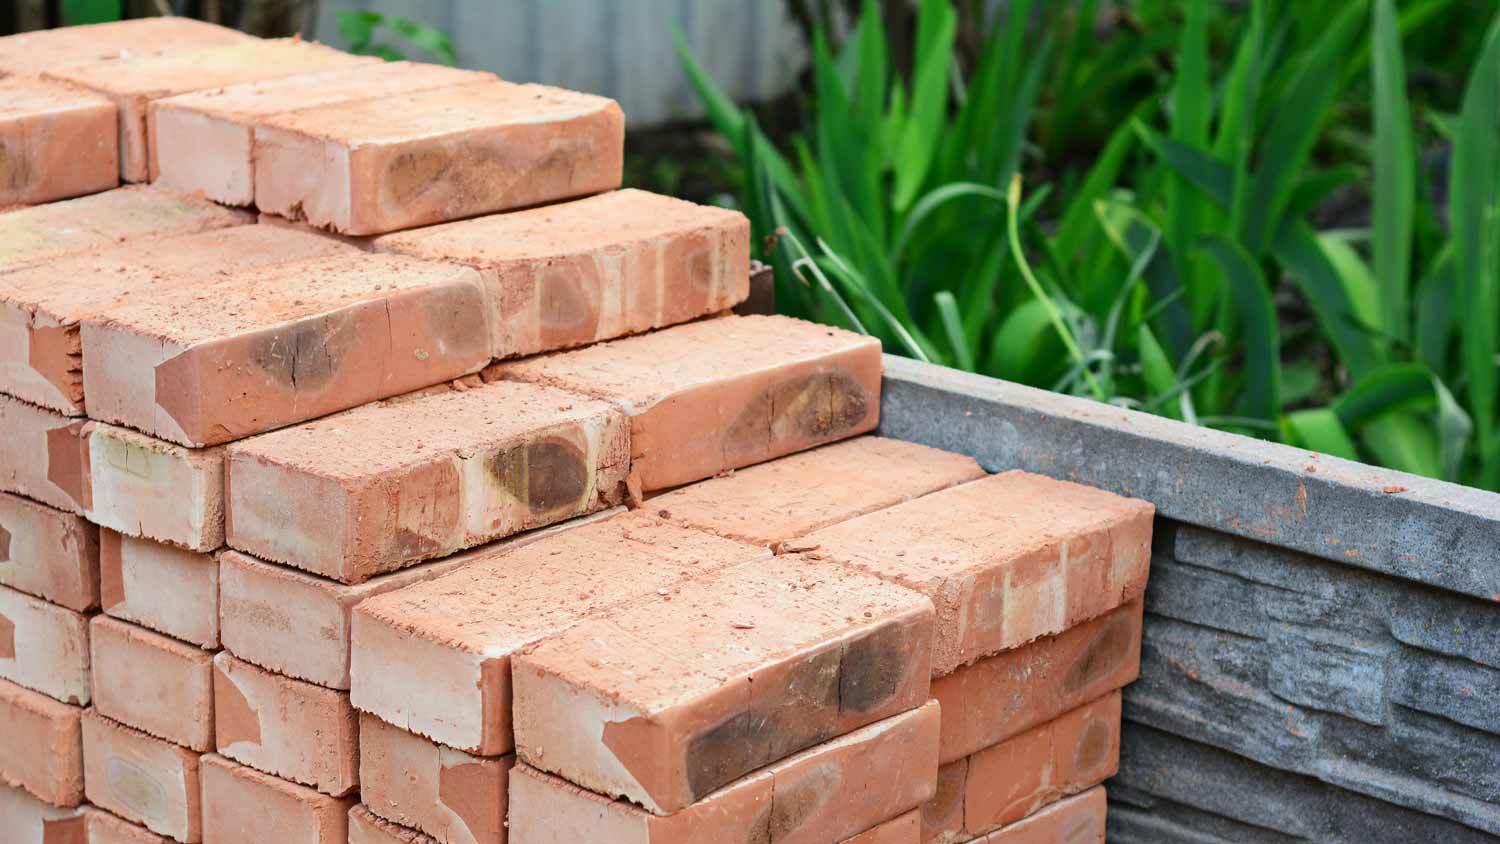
[{"x": 725, "y": 674}]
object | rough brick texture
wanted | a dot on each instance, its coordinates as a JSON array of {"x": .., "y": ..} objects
[
  {"x": 750, "y": 388},
  {"x": 1013, "y": 691},
  {"x": 244, "y": 806},
  {"x": 366, "y": 827},
  {"x": 48, "y": 553},
  {"x": 27, "y": 820},
  {"x": 383, "y": 486},
  {"x": 435, "y": 657},
  {"x": 132, "y": 82},
  {"x": 1076, "y": 820},
  {"x": 44, "y": 647},
  {"x": 376, "y": 166},
  {"x": 1006, "y": 559},
  {"x": 777, "y": 501},
  {"x": 593, "y": 269},
  {"x": 160, "y": 587},
  {"x": 906, "y": 829},
  {"x": 153, "y": 683},
  {"x": 145, "y": 487},
  {"x": 42, "y": 456},
  {"x": 267, "y": 348},
  {"x": 43, "y": 748},
  {"x": 56, "y": 142},
  {"x": 203, "y": 142},
  {"x": 142, "y": 779},
  {"x": 32, "y": 53},
  {"x": 40, "y": 352},
  {"x": 285, "y": 727},
  {"x": 674, "y": 695},
  {"x": 824, "y": 794},
  {"x": 445, "y": 793},
  {"x": 105, "y": 828}
]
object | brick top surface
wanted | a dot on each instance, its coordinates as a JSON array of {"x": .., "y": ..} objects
[
  {"x": 786, "y": 498},
  {"x": 45, "y": 232},
  {"x": 405, "y": 432},
  {"x": 34, "y": 52},
  {"x": 23, "y": 96},
  {"x": 640, "y": 371},
  {"x": 360, "y": 81},
  {"x": 439, "y": 112},
  {"x": 258, "y": 298},
  {"x": 179, "y": 72},
  {"x": 117, "y": 275},
  {"x": 617, "y": 219},
  {"x": 12, "y": 694},
  {"x": 502, "y": 602}
]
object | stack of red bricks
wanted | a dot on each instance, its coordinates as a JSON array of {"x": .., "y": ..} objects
[{"x": 442, "y": 500}]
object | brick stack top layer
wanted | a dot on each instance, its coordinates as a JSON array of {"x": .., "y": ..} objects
[
  {"x": 56, "y": 142},
  {"x": 33, "y": 53}
]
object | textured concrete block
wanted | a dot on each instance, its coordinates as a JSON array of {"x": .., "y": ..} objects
[
  {"x": 376, "y": 166},
  {"x": 670, "y": 697},
  {"x": 153, "y": 683},
  {"x": 131, "y": 82},
  {"x": 48, "y": 553},
  {"x": 386, "y": 485},
  {"x": 32, "y": 53},
  {"x": 142, "y": 779},
  {"x": 170, "y": 590},
  {"x": 42, "y": 456},
  {"x": 825, "y": 794},
  {"x": 244, "y": 806},
  {"x": 593, "y": 269},
  {"x": 268, "y": 348},
  {"x": 145, "y": 487},
  {"x": 1006, "y": 559},
  {"x": 203, "y": 142},
  {"x": 56, "y": 142},
  {"x": 445, "y": 793},
  {"x": 44, "y": 647},
  {"x": 285, "y": 727},
  {"x": 786, "y": 498},
  {"x": 435, "y": 657},
  {"x": 43, "y": 748},
  {"x": 27, "y": 820},
  {"x": 751, "y": 388}
]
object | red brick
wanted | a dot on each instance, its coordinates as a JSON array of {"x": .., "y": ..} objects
[
  {"x": 105, "y": 828},
  {"x": 435, "y": 657},
  {"x": 383, "y": 486},
  {"x": 671, "y": 696},
  {"x": 266, "y": 609},
  {"x": 31, "y": 53},
  {"x": 244, "y": 806},
  {"x": 597, "y": 268},
  {"x": 43, "y": 747},
  {"x": 822, "y": 795},
  {"x": 773, "y": 502},
  {"x": 285, "y": 727},
  {"x": 150, "y": 488},
  {"x": 44, "y": 647},
  {"x": 153, "y": 683},
  {"x": 160, "y": 587},
  {"x": 56, "y": 142},
  {"x": 366, "y": 827},
  {"x": 203, "y": 142},
  {"x": 268, "y": 348},
  {"x": 376, "y": 166},
  {"x": 1012, "y": 780},
  {"x": 143, "y": 779},
  {"x": 906, "y": 829},
  {"x": 445, "y": 793},
  {"x": 132, "y": 82},
  {"x": 723, "y": 393},
  {"x": 943, "y": 815},
  {"x": 1006, "y": 559},
  {"x": 27, "y": 820},
  {"x": 1006, "y": 694},
  {"x": 1076, "y": 820},
  {"x": 39, "y": 317},
  {"x": 42, "y": 456},
  {"x": 42, "y": 233},
  {"x": 48, "y": 553}
]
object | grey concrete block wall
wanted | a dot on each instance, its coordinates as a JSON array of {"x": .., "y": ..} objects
[{"x": 1321, "y": 656}]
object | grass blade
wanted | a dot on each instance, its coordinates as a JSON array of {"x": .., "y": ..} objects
[
  {"x": 1319, "y": 429},
  {"x": 917, "y": 147},
  {"x": 953, "y": 328},
  {"x": 1257, "y": 318},
  {"x": 1395, "y": 174}
]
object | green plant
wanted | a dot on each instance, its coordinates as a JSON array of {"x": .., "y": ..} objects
[{"x": 363, "y": 31}]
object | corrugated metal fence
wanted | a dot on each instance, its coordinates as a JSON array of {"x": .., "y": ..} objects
[{"x": 619, "y": 48}]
